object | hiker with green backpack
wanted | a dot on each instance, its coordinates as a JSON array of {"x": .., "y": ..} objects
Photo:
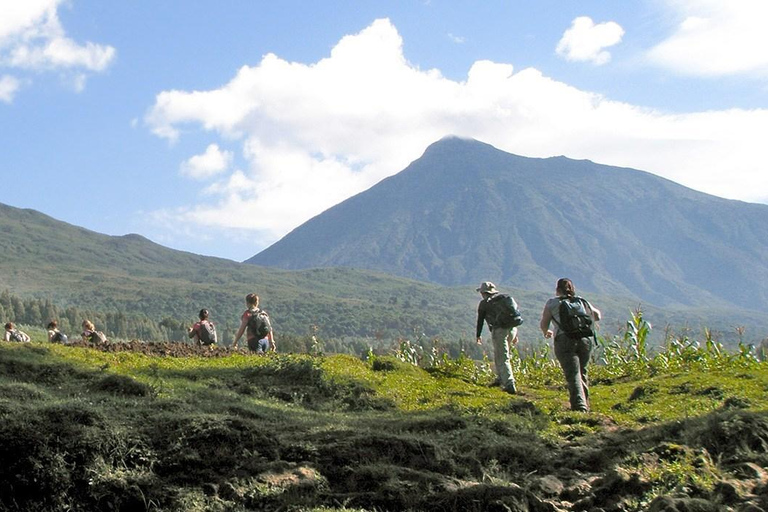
[
  {"x": 256, "y": 325},
  {"x": 573, "y": 330},
  {"x": 499, "y": 311}
]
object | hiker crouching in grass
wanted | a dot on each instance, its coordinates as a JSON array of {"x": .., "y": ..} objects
[
  {"x": 54, "y": 334},
  {"x": 259, "y": 329},
  {"x": 573, "y": 331},
  {"x": 499, "y": 311},
  {"x": 203, "y": 332},
  {"x": 91, "y": 335},
  {"x": 13, "y": 334}
]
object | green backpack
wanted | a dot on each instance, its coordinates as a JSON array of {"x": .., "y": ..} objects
[
  {"x": 575, "y": 318},
  {"x": 502, "y": 312}
]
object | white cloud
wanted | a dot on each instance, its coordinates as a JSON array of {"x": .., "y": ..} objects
[
  {"x": 8, "y": 87},
  {"x": 214, "y": 161},
  {"x": 33, "y": 39},
  {"x": 314, "y": 134},
  {"x": 457, "y": 39},
  {"x": 716, "y": 38},
  {"x": 586, "y": 42}
]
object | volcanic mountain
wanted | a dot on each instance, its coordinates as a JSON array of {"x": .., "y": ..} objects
[{"x": 466, "y": 212}]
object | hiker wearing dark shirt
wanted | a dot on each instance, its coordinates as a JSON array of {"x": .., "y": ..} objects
[
  {"x": 572, "y": 350},
  {"x": 501, "y": 337}
]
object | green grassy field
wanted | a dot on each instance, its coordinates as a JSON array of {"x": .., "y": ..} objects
[{"x": 84, "y": 429}]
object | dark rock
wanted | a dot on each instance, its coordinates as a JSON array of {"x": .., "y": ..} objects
[
  {"x": 228, "y": 492},
  {"x": 673, "y": 504},
  {"x": 548, "y": 486},
  {"x": 577, "y": 490},
  {"x": 729, "y": 491}
]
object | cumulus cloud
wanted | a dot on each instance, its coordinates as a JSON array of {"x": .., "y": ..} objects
[
  {"x": 214, "y": 161},
  {"x": 716, "y": 38},
  {"x": 33, "y": 39},
  {"x": 8, "y": 87},
  {"x": 586, "y": 42},
  {"x": 315, "y": 134}
]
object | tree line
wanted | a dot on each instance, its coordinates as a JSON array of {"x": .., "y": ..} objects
[{"x": 318, "y": 337}]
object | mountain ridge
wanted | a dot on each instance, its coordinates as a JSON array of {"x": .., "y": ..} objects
[{"x": 613, "y": 230}]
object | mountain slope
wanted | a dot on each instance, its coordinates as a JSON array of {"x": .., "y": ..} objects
[
  {"x": 44, "y": 257},
  {"x": 466, "y": 212}
]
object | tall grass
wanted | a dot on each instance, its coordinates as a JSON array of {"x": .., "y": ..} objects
[{"x": 625, "y": 355}]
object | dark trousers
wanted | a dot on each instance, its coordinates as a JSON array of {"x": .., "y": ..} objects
[{"x": 573, "y": 356}]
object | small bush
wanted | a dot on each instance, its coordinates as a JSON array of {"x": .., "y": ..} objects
[{"x": 121, "y": 385}]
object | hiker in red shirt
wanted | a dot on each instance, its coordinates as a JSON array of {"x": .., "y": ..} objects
[
  {"x": 203, "y": 332},
  {"x": 259, "y": 329}
]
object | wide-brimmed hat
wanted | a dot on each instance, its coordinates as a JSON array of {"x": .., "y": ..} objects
[{"x": 487, "y": 287}]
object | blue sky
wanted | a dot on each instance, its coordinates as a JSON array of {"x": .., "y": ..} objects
[{"x": 217, "y": 127}]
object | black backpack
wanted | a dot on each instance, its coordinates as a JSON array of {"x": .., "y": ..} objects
[
  {"x": 17, "y": 335},
  {"x": 207, "y": 333},
  {"x": 501, "y": 312},
  {"x": 258, "y": 324},
  {"x": 575, "y": 317}
]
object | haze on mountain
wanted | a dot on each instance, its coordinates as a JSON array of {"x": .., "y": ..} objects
[{"x": 466, "y": 212}]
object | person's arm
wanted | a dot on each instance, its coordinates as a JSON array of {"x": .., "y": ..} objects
[
  {"x": 241, "y": 330},
  {"x": 192, "y": 331},
  {"x": 596, "y": 314},
  {"x": 272, "y": 344},
  {"x": 546, "y": 318},
  {"x": 7, "y": 336},
  {"x": 480, "y": 321}
]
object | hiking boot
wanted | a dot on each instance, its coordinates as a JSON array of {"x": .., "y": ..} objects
[{"x": 511, "y": 389}]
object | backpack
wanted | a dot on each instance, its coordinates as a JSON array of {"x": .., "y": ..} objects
[
  {"x": 207, "y": 333},
  {"x": 575, "y": 317},
  {"x": 17, "y": 335},
  {"x": 258, "y": 324},
  {"x": 59, "y": 337},
  {"x": 97, "y": 337},
  {"x": 501, "y": 312}
]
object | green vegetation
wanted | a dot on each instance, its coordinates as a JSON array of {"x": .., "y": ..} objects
[{"x": 88, "y": 429}]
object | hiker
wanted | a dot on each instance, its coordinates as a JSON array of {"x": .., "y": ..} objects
[
  {"x": 54, "y": 334},
  {"x": 204, "y": 332},
  {"x": 259, "y": 329},
  {"x": 91, "y": 335},
  {"x": 491, "y": 310},
  {"x": 573, "y": 332},
  {"x": 13, "y": 334}
]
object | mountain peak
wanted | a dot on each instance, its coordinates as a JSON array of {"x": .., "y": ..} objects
[{"x": 466, "y": 212}]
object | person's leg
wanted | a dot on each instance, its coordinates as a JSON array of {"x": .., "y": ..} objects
[
  {"x": 501, "y": 339},
  {"x": 565, "y": 351},
  {"x": 584, "y": 352}
]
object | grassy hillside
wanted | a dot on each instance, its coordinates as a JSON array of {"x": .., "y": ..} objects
[{"x": 84, "y": 429}]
